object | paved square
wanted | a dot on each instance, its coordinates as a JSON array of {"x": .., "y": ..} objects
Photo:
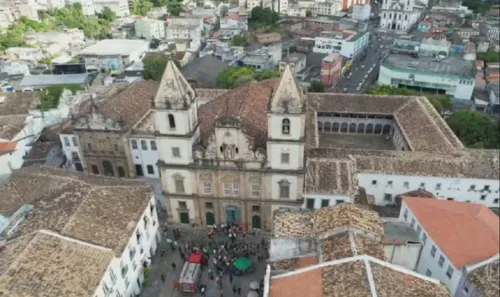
[{"x": 163, "y": 265}]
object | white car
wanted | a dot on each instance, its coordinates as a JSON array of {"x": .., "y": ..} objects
[
  {"x": 362, "y": 66},
  {"x": 366, "y": 76},
  {"x": 358, "y": 88},
  {"x": 374, "y": 65}
]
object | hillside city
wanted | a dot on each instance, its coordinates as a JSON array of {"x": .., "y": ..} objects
[{"x": 255, "y": 148}]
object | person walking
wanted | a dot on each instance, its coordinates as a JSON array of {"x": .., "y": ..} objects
[
  {"x": 239, "y": 291},
  {"x": 234, "y": 289},
  {"x": 173, "y": 266},
  {"x": 163, "y": 278},
  {"x": 231, "y": 278}
]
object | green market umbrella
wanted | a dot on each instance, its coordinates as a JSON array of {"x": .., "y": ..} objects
[{"x": 242, "y": 263}]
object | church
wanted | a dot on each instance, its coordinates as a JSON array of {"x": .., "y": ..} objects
[{"x": 270, "y": 145}]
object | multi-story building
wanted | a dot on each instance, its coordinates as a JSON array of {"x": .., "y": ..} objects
[
  {"x": 430, "y": 67},
  {"x": 481, "y": 279},
  {"x": 398, "y": 16},
  {"x": 101, "y": 126},
  {"x": 185, "y": 28},
  {"x": 455, "y": 235},
  {"x": 229, "y": 163},
  {"x": 347, "y": 43},
  {"x": 328, "y": 8},
  {"x": 120, "y": 7},
  {"x": 114, "y": 54},
  {"x": 361, "y": 12},
  {"x": 331, "y": 70},
  {"x": 234, "y": 24},
  {"x": 53, "y": 226},
  {"x": 150, "y": 29},
  {"x": 264, "y": 58},
  {"x": 490, "y": 29}
]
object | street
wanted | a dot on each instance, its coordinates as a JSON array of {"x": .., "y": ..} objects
[{"x": 197, "y": 236}]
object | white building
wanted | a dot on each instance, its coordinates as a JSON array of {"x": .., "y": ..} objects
[
  {"x": 398, "y": 16},
  {"x": 150, "y": 28},
  {"x": 184, "y": 28},
  {"x": 455, "y": 235},
  {"x": 329, "y": 8},
  {"x": 120, "y": 7},
  {"x": 71, "y": 148},
  {"x": 63, "y": 230},
  {"x": 361, "y": 12},
  {"x": 114, "y": 54},
  {"x": 143, "y": 147},
  {"x": 347, "y": 43},
  {"x": 452, "y": 75}
]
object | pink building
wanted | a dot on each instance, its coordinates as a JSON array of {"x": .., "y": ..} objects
[{"x": 331, "y": 70}]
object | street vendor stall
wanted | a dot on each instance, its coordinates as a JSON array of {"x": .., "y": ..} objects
[{"x": 242, "y": 265}]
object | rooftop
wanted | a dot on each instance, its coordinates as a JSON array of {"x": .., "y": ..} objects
[
  {"x": 65, "y": 202},
  {"x": 453, "y": 66},
  {"x": 46, "y": 264},
  {"x": 18, "y": 102},
  {"x": 202, "y": 73},
  {"x": 486, "y": 278},
  {"x": 109, "y": 47},
  {"x": 467, "y": 233},
  {"x": 359, "y": 276},
  {"x": 397, "y": 232},
  {"x": 44, "y": 80},
  {"x": 11, "y": 125},
  {"x": 126, "y": 107}
]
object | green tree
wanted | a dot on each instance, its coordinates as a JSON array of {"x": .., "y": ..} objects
[
  {"x": 475, "y": 129},
  {"x": 52, "y": 95},
  {"x": 441, "y": 103},
  {"x": 266, "y": 74},
  {"x": 142, "y": 7},
  {"x": 239, "y": 40},
  {"x": 316, "y": 87},
  {"x": 489, "y": 56},
  {"x": 262, "y": 17},
  {"x": 174, "y": 7},
  {"x": 154, "y": 66},
  {"x": 107, "y": 14},
  {"x": 388, "y": 90},
  {"x": 230, "y": 76}
]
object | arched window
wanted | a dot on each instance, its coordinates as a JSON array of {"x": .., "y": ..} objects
[
  {"x": 320, "y": 126},
  {"x": 327, "y": 127},
  {"x": 386, "y": 129},
  {"x": 95, "y": 169},
  {"x": 352, "y": 128},
  {"x": 171, "y": 121},
  {"x": 361, "y": 128},
  {"x": 344, "y": 127},
  {"x": 335, "y": 127},
  {"x": 369, "y": 129},
  {"x": 285, "y": 126},
  {"x": 378, "y": 129}
]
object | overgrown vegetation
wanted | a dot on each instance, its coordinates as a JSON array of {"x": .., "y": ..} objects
[
  {"x": 489, "y": 56},
  {"x": 263, "y": 17},
  {"x": 475, "y": 129},
  {"x": 52, "y": 94},
  {"x": 232, "y": 77},
  {"x": 154, "y": 66},
  {"x": 316, "y": 87},
  {"x": 239, "y": 40}
]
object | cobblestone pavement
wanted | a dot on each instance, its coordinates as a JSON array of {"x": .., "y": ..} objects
[{"x": 163, "y": 265}]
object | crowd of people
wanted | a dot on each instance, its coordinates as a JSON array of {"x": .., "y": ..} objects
[{"x": 221, "y": 247}]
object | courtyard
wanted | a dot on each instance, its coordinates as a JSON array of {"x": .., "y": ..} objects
[{"x": 197, "y": 236}]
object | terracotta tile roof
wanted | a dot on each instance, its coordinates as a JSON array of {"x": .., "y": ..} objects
[
  {"x": 11, "y": 125},
  {"x": 294, "y": 263},
  {"x": 49, "y": 265},
  {"x": 64, "y": 201},
  {"x": 355, "y": 103},
  {"x": 210, "y": 94},
  {"x": 248, "y": 102},
  {"x": 39, "y": 152},
  {"x": 18, "y": 102},
  {"x": 308, "y": 283},
  {"x": 126, "y": 107},
  {"x": 330, "y": 176},
  {"x": 146, "y": 125},
  {"x": 486, "y": 279},
  {"x": 297, "y": 224},
  {"x": 361, "y": 276},
  {"x": 7, "y": 146},
  {"x": 467, "y": 233},
  {"x": 347, "y": 215}
]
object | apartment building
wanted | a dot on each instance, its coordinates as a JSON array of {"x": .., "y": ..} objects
[{"x": 150, "y": 29}]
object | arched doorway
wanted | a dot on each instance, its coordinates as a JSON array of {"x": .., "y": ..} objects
[
  {"x": 386, "y": 129},
  {"x": 95, "y": 169},
  {"x": 233, "y": 213},
  {"x": 361, "y": 128},
  {"x": 378, "y": 129},
  {"x": 108, "y": 168},
  {"x": 121, "y": 171},
  {"x": 369, "y": 129},
  {"x": 352, "y": 128},
  {"x": 256, "y": 222},
  {"x": 210, "y": 218}
]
